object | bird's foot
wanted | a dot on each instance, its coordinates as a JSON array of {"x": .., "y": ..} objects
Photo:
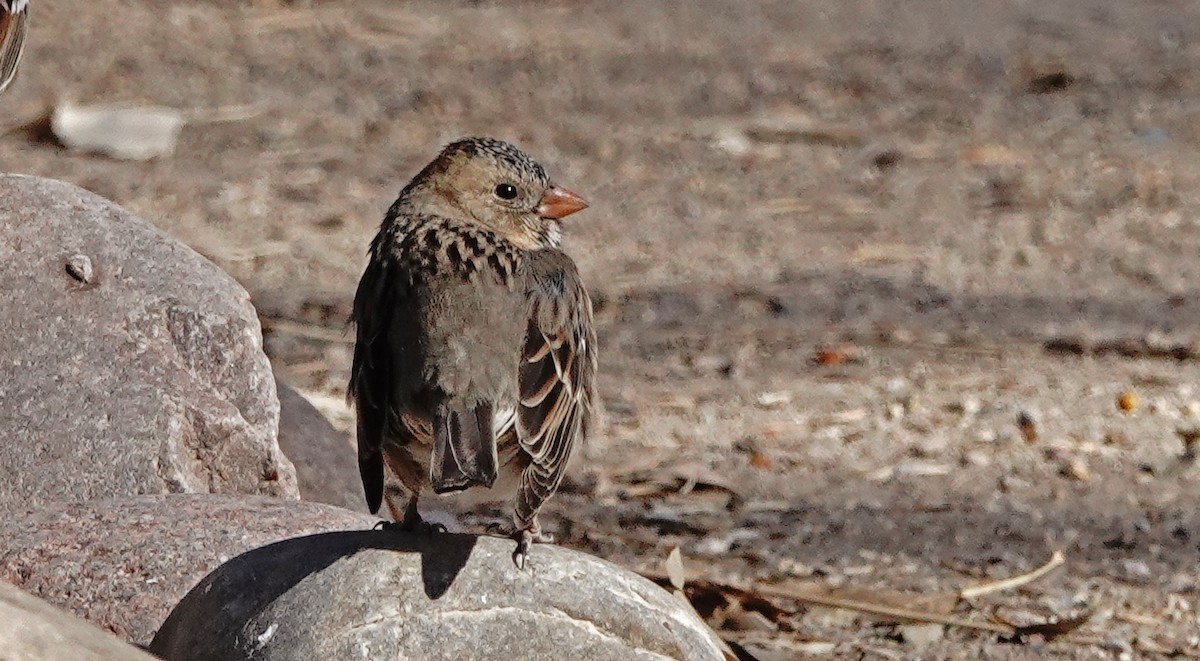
[
  {"x": 412, "y": 522},
  {"x": 524, "y": 536}
]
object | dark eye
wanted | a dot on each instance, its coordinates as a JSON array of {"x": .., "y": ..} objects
[{"x": 506, "y": 191}]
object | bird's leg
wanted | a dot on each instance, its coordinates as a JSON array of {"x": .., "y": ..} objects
[
  {"x": 389, "y": 499},
  {"x": 524, "y": 535},
  {"x": 411, "y": 520},
  {"x": 530, "y": 534}
]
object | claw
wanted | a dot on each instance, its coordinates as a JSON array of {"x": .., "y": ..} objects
[
  {"x": 521, "y": 555},
  {"x": 524, "y": 537},
  {"x": 420, "y": 525},
  {"x": 410, "y": 522}
]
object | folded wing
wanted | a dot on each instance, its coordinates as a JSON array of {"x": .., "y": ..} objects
[
  {"x": 13, "y": 26},
  {"x": 556, "y": 377}
]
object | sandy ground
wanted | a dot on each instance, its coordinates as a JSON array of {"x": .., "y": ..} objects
[{"x": 928, "y": 192}]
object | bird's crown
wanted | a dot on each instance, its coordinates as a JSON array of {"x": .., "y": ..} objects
[{"x": 504, "y": 152}]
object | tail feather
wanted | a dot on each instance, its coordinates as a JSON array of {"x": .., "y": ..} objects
[
  {"x": 370, "y": 468},
  {"x": 464, "y": 448}
]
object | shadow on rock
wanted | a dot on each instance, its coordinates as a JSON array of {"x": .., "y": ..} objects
[
  {"x": 442, "y": 556},
  {"x": 383, "y": 594}
]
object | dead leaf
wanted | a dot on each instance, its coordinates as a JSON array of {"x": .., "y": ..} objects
[
  {"x": 1047, "y": 630},
  {"x": 674, "y": 567},
  {"x": 761, "y": 460},
  {"x": 742, "y": 620},
  {"x": 838, "y": 355},
  {"x": 714, "y": 600},
  {"x": 1028, "y": 426}
]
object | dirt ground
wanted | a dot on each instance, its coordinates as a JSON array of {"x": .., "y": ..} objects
[{"x": 839, "y": 249}]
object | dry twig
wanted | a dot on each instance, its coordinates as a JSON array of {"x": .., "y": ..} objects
[
  {"x": 1056, "y": 561},
  {"x": 915, "y": 615},
  {"x": 883, "y": 610},
  {"x": 310, "y": 331}
]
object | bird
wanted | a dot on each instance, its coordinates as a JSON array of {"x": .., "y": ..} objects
[
  {"x": 475, "y": 354},
  {"x": 14, "y": 24}
]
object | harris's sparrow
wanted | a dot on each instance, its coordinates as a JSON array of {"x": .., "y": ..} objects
[{"x": 475, "y": 356}]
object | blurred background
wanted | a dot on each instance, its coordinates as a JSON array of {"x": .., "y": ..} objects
[{"x": 893, "y": 297}]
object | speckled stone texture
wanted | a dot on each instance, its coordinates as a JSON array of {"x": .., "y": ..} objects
[
  {"x": 32, "y": 630},
  {"x": 124, "y": 564},
  {"x": 132, "y": 365},
  {"x": 384, "y": 594}
]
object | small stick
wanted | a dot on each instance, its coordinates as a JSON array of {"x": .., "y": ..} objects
[
  {"x": 881, "y": 651},
  {"x": 880, "y": 609},
  {"x": 309, "y": 331},
  {"x": 854, "y": 605},
  {"x": 1056, "y": 561}
]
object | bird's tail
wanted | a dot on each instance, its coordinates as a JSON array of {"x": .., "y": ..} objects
[{"x": 464, "y": 448}]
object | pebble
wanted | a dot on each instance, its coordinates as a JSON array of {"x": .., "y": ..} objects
[
  {"x": 1135, "y": 570},
  {"x": 921, "y": 635},
  {"x": 1077, "y": 469},
  {"x": 732, "y": 141}
]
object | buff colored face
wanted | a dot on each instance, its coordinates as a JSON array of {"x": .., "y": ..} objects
[{"x": 516, "y": 200}]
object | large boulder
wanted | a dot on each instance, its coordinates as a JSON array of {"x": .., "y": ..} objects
[
  {"x": 32, "y": 630},
  {"x": 124, "y": 564},
  {"x": 132, "y": 365},
  {"x": 325, "y": 459},
  {"x": 383, "y": 594}
]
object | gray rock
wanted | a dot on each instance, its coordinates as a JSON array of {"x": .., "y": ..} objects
[
  {"x": 32, "y": 630},
  {"x": 383, "y": 594},
  {"x": 325, "y": 459},
  {"x": 124, "y": 564},
  {"x": 132, "y": 364}
]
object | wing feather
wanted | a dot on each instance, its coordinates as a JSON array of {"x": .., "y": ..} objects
[
  {"x": 371, "y": 373},
  {"x": 13, "y": 27},
  {"x": 555, "y": 378}
]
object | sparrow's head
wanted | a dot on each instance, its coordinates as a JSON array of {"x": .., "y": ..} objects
[{"x": 498, "y": 186}]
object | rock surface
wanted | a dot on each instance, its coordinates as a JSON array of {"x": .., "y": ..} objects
[
  {"x": 383, "y": 594},
  {"x": 124, "y": 564},
  {"x": 32, "y": 630},
  {"x": 133, "y": 365},
  {"x": 325, "y": 458}
]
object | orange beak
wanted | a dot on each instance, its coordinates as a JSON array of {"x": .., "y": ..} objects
[{"x": 559, "y": 203}]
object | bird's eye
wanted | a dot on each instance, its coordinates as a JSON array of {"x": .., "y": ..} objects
[{"x": 506, "y": 191}]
